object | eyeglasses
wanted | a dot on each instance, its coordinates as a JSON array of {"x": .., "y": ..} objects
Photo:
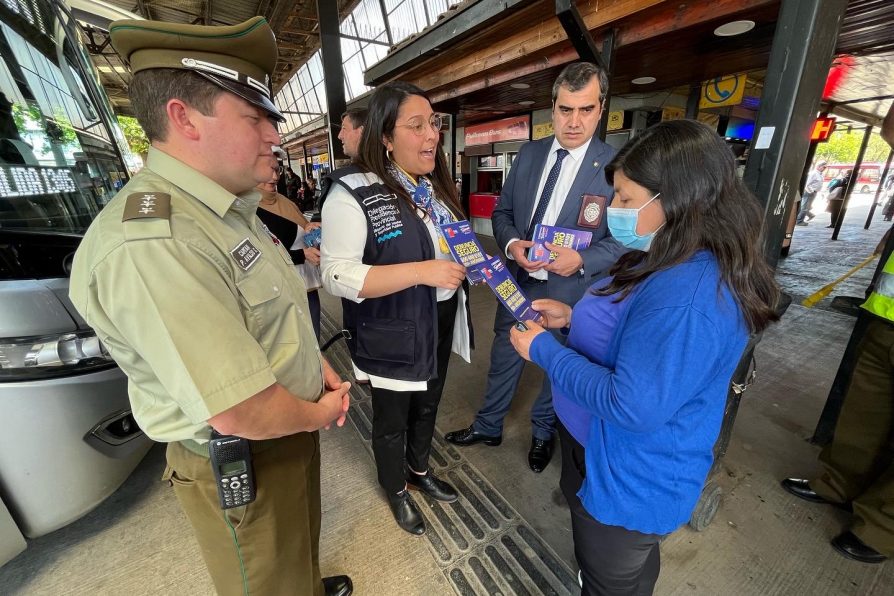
[{"x": 418, "y": 128}]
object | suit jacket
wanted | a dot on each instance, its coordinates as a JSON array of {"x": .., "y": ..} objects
[{"x": 516, "y": 206}]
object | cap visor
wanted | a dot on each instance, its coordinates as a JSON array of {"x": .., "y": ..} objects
[{"x": 250, "y": 95}]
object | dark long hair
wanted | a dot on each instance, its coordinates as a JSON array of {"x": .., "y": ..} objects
[
  {"x": 380, "y": 121},
  {"x": 706, "y": 206}
]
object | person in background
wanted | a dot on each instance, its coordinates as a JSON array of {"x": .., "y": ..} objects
[
  {"x": 350, "y": 134},
  {"x": 202, "y": 310},
  {"x": 640, "y": 388},
  {"x": 811, "y": 188},
  {"x": 888, "y": 210},
  {"x": 284, "y": 221},
  {"x": 309, "y": 199},
  {"x": 305, "y": 192},
  {"x": 858, "y": 465},
  {"x": 404, "y": 299},
  {"x": 352, "y": 122},
  {"x": 835, "y": 198},
  {"x": 281, "y": 184},
  {"x": 293, "y": 185},
  {"x": 555, "y": 181}
]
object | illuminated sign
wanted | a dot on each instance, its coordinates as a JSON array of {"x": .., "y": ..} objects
[
  {"x": 822, "y": 129},
  {"x": 27, "y": 181},
  {"x": 507, "y": 129}
]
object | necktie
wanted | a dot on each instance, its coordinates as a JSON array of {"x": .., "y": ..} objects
[{"x": 547, "y": 193}]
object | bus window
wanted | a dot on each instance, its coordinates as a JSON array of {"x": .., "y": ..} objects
[{"x": 60, "y": 150}]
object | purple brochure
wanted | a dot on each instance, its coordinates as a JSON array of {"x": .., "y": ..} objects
[
  {"x": 576, "y": 239},
  {"x": 465, "y": 248},
  {"x": 507, "y": 290}
]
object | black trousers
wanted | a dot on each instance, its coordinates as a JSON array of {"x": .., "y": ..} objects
[
  {"x": 404, "y": 421},
  {"x": 834, "y": 207},
  {"x": 614, "y": 561}
]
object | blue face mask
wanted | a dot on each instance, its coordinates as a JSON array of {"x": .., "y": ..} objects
[{"x": 622, "y": 225}]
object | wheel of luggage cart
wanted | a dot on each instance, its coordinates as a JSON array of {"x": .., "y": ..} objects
[
  {"x": 706, "y": 508},
  {"x": 709, "y": 500}
]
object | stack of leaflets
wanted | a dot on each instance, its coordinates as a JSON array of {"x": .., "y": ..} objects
[
  {"x": 507, "y": 291},
  {"x": 313, "y": 238},
  {"x": 480, "y": 267},
  {"x": 576, "y": 239},
  {"x": 466, "y": 249}
]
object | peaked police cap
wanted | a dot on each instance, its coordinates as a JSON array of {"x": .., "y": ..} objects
[{"x": 240, "y": 58}]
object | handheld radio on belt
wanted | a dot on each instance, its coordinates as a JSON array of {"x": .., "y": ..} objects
[{"x": 231, "y": 463}]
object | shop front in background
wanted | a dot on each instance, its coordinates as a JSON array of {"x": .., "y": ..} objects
[{"x": 490, "y": 149}]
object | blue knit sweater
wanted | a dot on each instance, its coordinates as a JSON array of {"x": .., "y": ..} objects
[{"x": 658, "y": 396}]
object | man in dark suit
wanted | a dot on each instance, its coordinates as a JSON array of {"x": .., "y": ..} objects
[{"x": 558, "y": 181}]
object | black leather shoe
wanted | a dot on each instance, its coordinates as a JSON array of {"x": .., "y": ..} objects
[
  {"x": 801, "y": 489},
  {"x": 338, "y": 585},
  {"x": 852, "y": 547},
  {"x": 406, "y": 514},
  {"x": 540, "y": 454},
  {"x": 433, "y": 487},
  {"x": 467, "y": 436}
]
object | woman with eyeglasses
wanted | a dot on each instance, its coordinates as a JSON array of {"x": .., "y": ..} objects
[
  {"x": 404, "y": 298},
  {"x": 641, "y": 385}
]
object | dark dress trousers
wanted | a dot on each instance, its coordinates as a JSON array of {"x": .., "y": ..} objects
[{"x": 511, "y": 219}]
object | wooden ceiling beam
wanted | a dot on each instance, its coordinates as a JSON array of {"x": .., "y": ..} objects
[
  {"x": 548, "y": 38},
  {"x": 207, "y": 11},
  {"x": 143, "y": 8}
]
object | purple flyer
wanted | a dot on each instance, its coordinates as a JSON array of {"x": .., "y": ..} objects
[
  {"x": 576, "y": 239},
  {"x": 506, "y": 289},
  {"x": 465, "y": 248}
]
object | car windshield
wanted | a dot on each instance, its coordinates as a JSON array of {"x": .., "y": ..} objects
[{"x": 61, "y": 151}]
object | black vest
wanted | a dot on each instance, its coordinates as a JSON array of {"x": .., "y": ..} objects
[{"x": 394, "y": 336}]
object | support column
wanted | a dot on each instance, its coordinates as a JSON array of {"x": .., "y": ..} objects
[
  {"x": 880, "y": 190},
  {"x": 586, "y": 48},
  {"x": 454, "y": 152},
  {"x": 333, "y": 74},
  {"x": 695, "y": 94},
  {"x": 304, "y": 171},
  {"x": 803, "y": 46},
  {"x": 852, "y": 183}
]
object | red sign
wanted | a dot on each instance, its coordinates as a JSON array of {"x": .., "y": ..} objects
[
  {"x": 517, "y": 128},
  {"x": 822, "y": 128}
]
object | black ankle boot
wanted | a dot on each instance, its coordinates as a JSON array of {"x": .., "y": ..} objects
[
  {"x": 405, "y": 513},
  {"x": 432, "y": 486}
]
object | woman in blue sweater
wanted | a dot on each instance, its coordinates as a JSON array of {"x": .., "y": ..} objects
[{"x": 641, "y": 385}]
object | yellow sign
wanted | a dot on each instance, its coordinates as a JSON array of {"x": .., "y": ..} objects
[
  {"x": 710, "y": 119},
  {"x": 542, "y": 130},
  {"x": 673, "y": 113},
  {"x": 615, "y": 120},
  {"x": 722, "y": 91}
]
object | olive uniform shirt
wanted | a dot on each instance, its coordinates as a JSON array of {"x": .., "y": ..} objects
[{"x": 198, "y": 304}]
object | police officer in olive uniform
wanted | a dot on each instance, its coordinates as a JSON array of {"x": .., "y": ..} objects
[
  {"x": 858, "y": 465},
  {"x": 202, "y": 309}
]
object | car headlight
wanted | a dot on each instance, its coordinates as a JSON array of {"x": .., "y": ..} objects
[{"x": 43, "y": 357}]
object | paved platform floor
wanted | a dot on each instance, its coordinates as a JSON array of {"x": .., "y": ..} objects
[{"x": 510, "y": 533}]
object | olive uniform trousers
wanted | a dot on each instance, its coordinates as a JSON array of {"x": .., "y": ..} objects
[
  {"x": 859, "y": 462},
  {"x": 270, "y": 546}
]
